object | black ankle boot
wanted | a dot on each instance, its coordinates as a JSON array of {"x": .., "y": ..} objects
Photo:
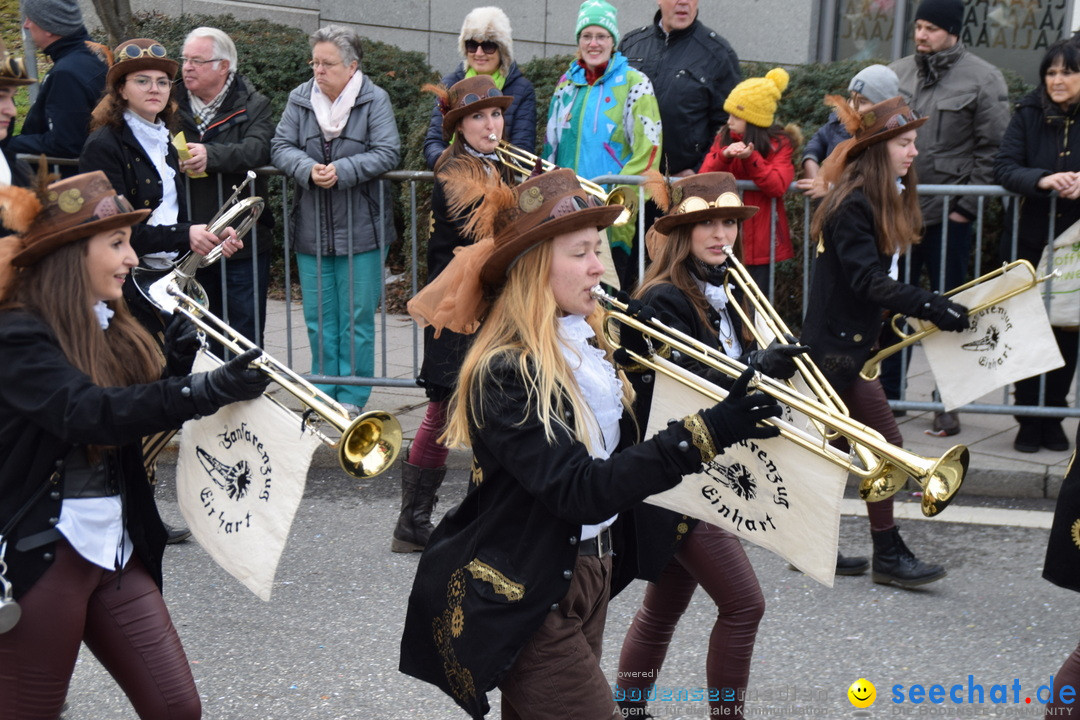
[
  {"x": 1052, "y": 436},
  {"x": 1029, "y": 436},
  {"x": 894, "y": 563},
  {"x": 851, "y": 565},
  {"x": 418, "y": 487}
]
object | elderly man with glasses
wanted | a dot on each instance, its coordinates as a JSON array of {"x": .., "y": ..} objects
[{"x": 228, "y": 129}]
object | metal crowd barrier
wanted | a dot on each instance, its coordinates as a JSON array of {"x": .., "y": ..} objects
[{"x": 412, "y": 179}]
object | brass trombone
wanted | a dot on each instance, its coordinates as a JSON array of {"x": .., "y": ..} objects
[
  {"x": 939, "y": 478},
  {"x": 872, "y": 367},
  {"x": 367, "y": 445},
  {"x": 523, "y": 162}
]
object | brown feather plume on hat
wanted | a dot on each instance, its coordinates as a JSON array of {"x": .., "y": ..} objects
[
  {"x": 848, "y": 116},
  {"x": 658, "y": 187},
  {"x": 470, "y": 186},
  {"x": 18, "y": 209},
  {"x": 441, "y": 93}
]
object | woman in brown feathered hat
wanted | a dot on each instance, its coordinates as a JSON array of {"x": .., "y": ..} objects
[
  {"x": 473, "y": 119},
  {"x": 80, "y": 385},
  {"x": 512, "y": 589},
  {"x": 130, "y": 142},
  {"x": 684, "y": 286},
  {"x": 868, "y": 219}
]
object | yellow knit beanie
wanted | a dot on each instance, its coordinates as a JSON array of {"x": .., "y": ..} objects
[{"x": 755, "y": 100}]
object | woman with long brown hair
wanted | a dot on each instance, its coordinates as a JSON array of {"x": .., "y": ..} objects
[
  {"x": 82, "y": 381},
  {"x": 130, "y": 143},
  {"x": 868, "y": 219},
  {"x": 684, "y": 287}
]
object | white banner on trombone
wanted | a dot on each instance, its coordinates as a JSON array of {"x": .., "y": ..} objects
[
  {"x": 1006, "y": 342},
  {"x": 240, "y": 476},
  {"x": 772, "y": 492}
]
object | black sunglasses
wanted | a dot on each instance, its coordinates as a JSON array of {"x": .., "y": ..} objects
[{"x": 490, "y": 46}]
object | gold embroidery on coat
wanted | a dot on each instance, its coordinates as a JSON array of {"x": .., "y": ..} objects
[
  {"x": 503, "y": 585},
  {"x": 451, "y": 624}
]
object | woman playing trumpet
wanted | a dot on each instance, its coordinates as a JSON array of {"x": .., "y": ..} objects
[
  {"x": 867, "y": 221},
  {"x": 512, "y": 589},
  {"x": 685, "y": 287},
  {"x": 473, "y": 115}
]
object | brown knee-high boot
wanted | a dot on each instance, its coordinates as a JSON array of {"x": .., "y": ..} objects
[{"x": 418, "y": 487}]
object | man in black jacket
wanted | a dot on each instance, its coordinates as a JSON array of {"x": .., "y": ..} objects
[
  {"x": 228, "y": 128},
  {"x": 692, "y": 69},
  {"x": 59, "y": 120}
]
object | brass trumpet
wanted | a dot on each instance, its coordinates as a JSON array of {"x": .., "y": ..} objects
[
  {"x": 811, "y": 374},
  {"x": 939, "y": 478},
  {"x": 523, "y": 162},
  {"x": 872, "y": 367},
  {"x": 367, "y": 445}
]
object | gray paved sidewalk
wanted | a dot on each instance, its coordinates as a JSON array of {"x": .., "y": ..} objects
[{"x": 996, "y": 469}]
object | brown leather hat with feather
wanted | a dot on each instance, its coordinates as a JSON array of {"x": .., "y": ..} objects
[
  {"x": 506, "y": 223},
  {"x": 550, "y": 204},
  {"x": 876, "y": 124},
  {"x": 65, "y": 211},
  {"x": 696, "y": 198},
  {"x": 464, "y": 97}
]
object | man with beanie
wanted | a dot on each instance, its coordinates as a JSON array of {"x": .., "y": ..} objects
[
  {"x": 58, "y": 122},
  {"x": 966, "y": 101},
  {"x": 228, "y": 128},
  {"x": 692, "y": 70}
]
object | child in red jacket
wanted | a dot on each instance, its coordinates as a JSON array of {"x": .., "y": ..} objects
[{"x": 753, "y": 147}]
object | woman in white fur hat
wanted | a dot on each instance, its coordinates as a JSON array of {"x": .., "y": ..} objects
[{"x": 487, "y": 48}]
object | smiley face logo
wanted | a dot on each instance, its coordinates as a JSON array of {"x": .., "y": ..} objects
[{"x": 862, "y": 693}]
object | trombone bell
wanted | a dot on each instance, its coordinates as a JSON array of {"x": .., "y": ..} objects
[
  {"x": 939, "y": 479},
  {"x": 370, "y": 444}
]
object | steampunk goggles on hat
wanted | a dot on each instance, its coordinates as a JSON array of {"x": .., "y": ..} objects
[
  {"x": 473, "y": 97},
  {"x": 134, "y": 52},
  {"x": 11, "y": 66},
  {"x": 696, "y": 204}
]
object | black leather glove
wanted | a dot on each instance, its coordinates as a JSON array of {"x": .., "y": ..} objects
[
  {"x": 947, "y": 315},
  {"x": 232, "y": 382},
  {"x": 737, "y": 417},
  {"x": 181, "y": 345},
  {"x": 777, "y": 359}
]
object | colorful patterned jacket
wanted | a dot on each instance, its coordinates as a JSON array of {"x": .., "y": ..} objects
[{"x": 611, "y": 127}]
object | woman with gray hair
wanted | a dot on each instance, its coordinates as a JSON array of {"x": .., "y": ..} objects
[
  {"x": 486, "y": 45},
  {"x": 336, "y": 136}
]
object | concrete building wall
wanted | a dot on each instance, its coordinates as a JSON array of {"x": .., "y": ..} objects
[{"x": 780, "y": 31}]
